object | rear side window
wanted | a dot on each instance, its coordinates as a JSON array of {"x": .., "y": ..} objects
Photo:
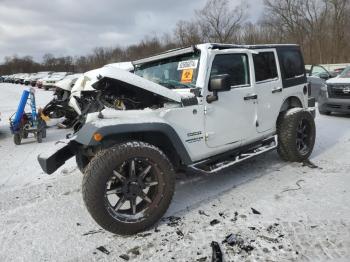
[
  {"x": 292, "y": 63},
  {"x": 235, "y": 65},
  {"x": 292, "y": 66},
  {"x": 265, "y": 66}
]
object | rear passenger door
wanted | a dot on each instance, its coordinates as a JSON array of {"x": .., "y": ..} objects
[{"x": 268, "y": 87}]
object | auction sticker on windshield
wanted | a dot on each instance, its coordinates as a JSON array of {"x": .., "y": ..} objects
[
  {"x": 189, "y": 64},
  {"x": 187, "y": 76}
]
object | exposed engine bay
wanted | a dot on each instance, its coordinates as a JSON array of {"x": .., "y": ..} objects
[{"x": 122, "y": 96}]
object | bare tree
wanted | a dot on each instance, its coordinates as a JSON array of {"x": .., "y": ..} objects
[
  {"x": 219, "y": 22},
  {"x": 188, "y": 33}
]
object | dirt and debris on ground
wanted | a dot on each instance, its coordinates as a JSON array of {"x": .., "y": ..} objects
[{"x": 309, "y": 221}]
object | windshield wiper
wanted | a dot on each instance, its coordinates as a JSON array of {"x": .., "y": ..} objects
[{"x": 167, "y": 85}]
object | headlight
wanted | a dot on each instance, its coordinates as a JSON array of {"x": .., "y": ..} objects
[{"x": 324, "y": 88}]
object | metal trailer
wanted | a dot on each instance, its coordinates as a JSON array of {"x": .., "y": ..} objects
[{"x": 22, "y": 123}]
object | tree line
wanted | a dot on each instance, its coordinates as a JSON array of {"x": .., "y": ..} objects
[{"x": 320, "y": 27}]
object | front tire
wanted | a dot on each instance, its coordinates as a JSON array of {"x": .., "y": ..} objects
[
  {"x": 128, "y": 188},
  {"x": 296, "y": 135}
]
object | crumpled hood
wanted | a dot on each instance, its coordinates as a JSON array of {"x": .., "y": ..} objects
[
  {"x": 120, "y": 72},
  {"x": 66, "y": 84},
  {"x": 338, "y": 80},
  {"x": 137, "y": 81}
]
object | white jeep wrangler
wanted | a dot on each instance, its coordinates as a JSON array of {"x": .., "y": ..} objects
[{"x": 203, "y": 108}]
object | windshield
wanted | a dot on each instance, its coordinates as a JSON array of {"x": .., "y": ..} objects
[
  {"x": 345, "y": 73},
  {"x": 174, "y": 73}
]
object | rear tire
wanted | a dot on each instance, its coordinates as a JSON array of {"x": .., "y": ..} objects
[
  {"x": 102, "y": 176},
  {"x": 296, "y": 135},
  {"x": 280, "y": 150}
]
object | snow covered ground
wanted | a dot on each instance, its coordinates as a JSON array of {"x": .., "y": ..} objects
[{"x": 304, "y": 210}]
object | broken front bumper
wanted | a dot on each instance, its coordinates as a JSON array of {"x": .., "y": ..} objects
[{"x": 51, "y": 163}]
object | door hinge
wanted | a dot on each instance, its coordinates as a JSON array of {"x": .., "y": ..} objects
[
  {"x": 208, "y": 109},
  {"x": 208, "y": 135}
]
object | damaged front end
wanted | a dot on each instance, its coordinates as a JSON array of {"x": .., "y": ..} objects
[{"x": 144, "y": 93}]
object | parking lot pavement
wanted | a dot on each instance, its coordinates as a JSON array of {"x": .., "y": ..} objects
[{"x": 279, "y": 211}]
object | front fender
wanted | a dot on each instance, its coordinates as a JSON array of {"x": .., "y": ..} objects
[{"x": 85, "y": 135}]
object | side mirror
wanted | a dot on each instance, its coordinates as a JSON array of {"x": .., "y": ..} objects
[
  {"x": 218, "y": 83},
  {"x": 324, "y": 76}
]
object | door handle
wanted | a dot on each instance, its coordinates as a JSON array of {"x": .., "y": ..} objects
[
  {"x": 277, "y": 90},
  {"x": 251, "y": 97}
]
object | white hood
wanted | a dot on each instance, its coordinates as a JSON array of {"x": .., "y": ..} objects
[
  {"x": 66, "y": 84},
  {"x": 338, "y": 80},
  {"x": 137, "y": 81}
]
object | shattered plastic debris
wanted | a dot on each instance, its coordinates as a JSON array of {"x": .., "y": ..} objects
[
  {"x": 217, "y": 254},
  {"x": 233, "y": 240},
  {"x": 103, "y": 250},
  {"x": 309, "y": 164},
  {"x": 135, "y": 251},
  {"x": 91, "y": 232},
  {"x": 272, "y": 227},
  {"x": 214, "y": 222},
  {"x": 237, "y": 240},
  {"x": 179, "y": 233},
  {"x": 235, "y": 218},
  {"x": 256, "y": 212},
  {"x": 173, "y": 221},
  {"x": 201, "y": 212},
  {"x": 125, "y": 257}
]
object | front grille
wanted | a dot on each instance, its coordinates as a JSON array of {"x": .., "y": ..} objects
[{"x": 339, "y": 91}]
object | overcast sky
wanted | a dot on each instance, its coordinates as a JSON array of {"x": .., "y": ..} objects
[{"x": 75, "y": 27}]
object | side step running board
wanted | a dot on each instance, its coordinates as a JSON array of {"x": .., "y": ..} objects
[{"x": 209, "y": 167}]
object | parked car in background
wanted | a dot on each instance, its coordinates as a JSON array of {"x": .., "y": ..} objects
[
  {"x": 317, "y": 77},
  {"x": 50, "y": 81},
  {"x": 17, "y": 78},
  {"x": 37, "y": 76},
  {"x": 10, "y": 78},
  {"x": 335, "y": 94},
  {"x": 23, "y": 77},
  {"x": 338, "y": 71},
  {"x": 28, "y": 78},
  {"x": 2, "y": 78}
]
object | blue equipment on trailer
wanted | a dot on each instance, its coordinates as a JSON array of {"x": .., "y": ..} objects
[{"x": 23, "y": 123}]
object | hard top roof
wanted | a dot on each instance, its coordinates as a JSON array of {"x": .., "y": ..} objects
[{"x": 194, "y": 48}]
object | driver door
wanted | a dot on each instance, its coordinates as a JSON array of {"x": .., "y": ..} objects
[{"x": 232, "y": 118}]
